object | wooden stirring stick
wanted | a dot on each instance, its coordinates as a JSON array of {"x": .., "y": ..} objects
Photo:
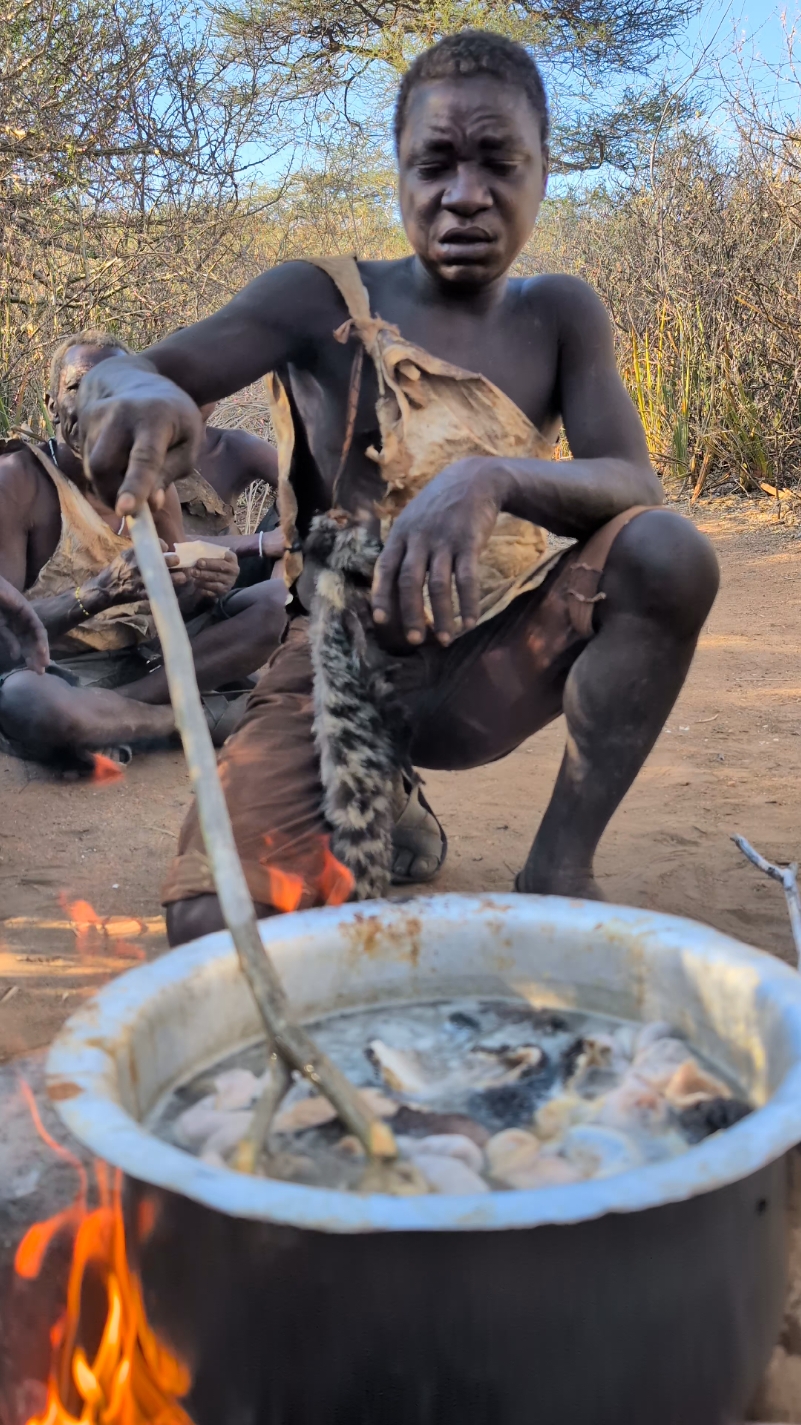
[{"x": 295, "y": 1046}]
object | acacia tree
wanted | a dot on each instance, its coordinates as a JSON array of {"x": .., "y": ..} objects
[
  {"x": 321, "y": 59},
  {"x": 126, "y": 155}
]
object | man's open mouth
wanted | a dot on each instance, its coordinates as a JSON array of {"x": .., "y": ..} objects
[{"x": 465, "y": 244}]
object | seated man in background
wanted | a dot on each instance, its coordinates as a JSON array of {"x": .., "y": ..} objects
[
  {"x": 72, "y": 556},
  {"x": 229, "y": 462}
]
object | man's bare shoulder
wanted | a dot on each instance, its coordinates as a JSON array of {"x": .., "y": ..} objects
[
  {"x": 569, "y": 300},
  {"x": 20, "y": 472},
  {"x": 297, "y": 295},
  {"x": 250, "y": 449}
]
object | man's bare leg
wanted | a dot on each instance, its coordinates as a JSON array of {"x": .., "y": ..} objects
[
  {"x": 230, "y": 650},
  {"x": 659, "y": 583},
  {"x": 51, "y": 719}
]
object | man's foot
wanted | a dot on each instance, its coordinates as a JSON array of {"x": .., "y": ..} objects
[
  {"x": 576, "y": 885},
  {"x": 419, "y": 842}
]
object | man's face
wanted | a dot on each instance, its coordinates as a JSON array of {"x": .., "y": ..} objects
[
  {"x": 472, "y": 177},
  {"x": 64, "y": 406}
]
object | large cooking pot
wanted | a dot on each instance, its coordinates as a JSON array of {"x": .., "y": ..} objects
[{"x": 651, "y": 1298}]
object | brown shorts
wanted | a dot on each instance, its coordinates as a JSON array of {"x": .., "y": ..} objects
[{"x": 468, "y": 704}]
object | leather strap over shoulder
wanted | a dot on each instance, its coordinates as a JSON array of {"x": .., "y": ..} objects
[{"x": 344, "y": 273}]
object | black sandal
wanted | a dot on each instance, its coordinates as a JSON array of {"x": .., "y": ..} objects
[{"x": 417, "y": 837}]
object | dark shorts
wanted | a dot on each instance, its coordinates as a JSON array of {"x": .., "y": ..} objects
[{"x": 468, "y": 705}]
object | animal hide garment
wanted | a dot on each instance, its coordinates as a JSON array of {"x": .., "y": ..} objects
[{"x": 358, "y": 726}]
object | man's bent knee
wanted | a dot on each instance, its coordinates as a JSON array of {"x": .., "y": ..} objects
[
  {"x": 661, "y": 567},
  {"x": 190, "y": 919},
  {"x": 29, "y": 715}
]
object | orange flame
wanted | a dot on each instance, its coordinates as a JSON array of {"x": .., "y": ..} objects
[
  {"x": 336, "y": 881},
  {"x": 105, "y": 769},
  {"x": 332, "y": 884},
  {"x": 129, "y": 1377},
  {"x": 98, "y": 935},
  {"x": 31, "y": 1250},
  {"x": 286, "y": 889}
]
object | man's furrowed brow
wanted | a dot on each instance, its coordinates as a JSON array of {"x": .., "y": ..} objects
[{"x": 435, "y": 145}]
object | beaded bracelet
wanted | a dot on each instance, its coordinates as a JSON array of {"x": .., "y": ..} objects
[
  {"x": 261, "y": 544},
  {"x": 80, "y": 603}
]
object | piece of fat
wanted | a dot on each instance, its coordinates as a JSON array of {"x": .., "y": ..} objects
[
  {"x": 543, "y": 1172},
  {"x": 448, "y": 1175},
  {"x": 446, "y": 1145},
  {"x": 511, "y": 1150},
  {"x": 314, "y": 1110},
  {"x": 599, "y": 1152},
  {"x": 236, "y": 1088},
  {"x": 226, "y": 1136},
  {"x": 691, "y": 1084}
]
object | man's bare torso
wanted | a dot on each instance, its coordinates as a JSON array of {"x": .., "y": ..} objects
[{"x": 514, "y": 343}]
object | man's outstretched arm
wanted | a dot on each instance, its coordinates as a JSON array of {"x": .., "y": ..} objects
[
  {"x": 139, "y": 420},
  {"x": 441, "y": 533},
  {"x": 23, "y": 638}
]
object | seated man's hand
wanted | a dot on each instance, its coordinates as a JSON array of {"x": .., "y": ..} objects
[
  {"x": 22, "y": 635},
  {"x": 438, "y": 537},
  {"x": 212, "y": 578},
  {"x": 138, "y": 432},
  {"x": 121, "y": 582}
]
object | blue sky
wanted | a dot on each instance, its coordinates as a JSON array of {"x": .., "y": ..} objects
[{"x": 725, "y": 39}]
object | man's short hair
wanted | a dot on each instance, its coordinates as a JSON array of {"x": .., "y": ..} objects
[
  {"x": 476, "y": 52},
  {"x": 91, "y": 337}
]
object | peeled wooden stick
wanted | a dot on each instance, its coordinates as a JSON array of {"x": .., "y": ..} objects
[
  {"x": 787, "y": 876},
  {"x": 290, "y": 1040}
]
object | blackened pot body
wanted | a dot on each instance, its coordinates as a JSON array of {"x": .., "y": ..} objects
[{"x": 661, "y": 1317}]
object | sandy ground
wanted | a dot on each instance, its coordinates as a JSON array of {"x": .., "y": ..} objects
[{"x": 728, "y": 761}]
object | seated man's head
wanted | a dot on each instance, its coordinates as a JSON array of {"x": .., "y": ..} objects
[
  {"x": 471, "y": 132},
  {"x": 71, "y": 360}
]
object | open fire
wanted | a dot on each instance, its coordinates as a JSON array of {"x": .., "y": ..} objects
[
  {"x": 108, "y": 1367},
  {"x": 330, "y": 882}
]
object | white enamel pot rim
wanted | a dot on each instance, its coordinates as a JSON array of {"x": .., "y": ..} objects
[{"x": 733, "y": 1001}]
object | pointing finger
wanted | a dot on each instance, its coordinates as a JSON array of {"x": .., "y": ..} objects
[
  {"x": 466, "y": 572},
  {"x": 386, "y": 572},
  {"x": 144, "y": 472}
]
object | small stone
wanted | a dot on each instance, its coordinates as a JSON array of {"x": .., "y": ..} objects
[{"x": 449, "y": 1175}]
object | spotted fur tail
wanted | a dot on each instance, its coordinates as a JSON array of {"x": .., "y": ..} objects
[{"x": 357, "y": 726}]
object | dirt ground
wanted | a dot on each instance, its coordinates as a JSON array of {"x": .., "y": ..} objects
[{"x": 728, "y": 761}]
